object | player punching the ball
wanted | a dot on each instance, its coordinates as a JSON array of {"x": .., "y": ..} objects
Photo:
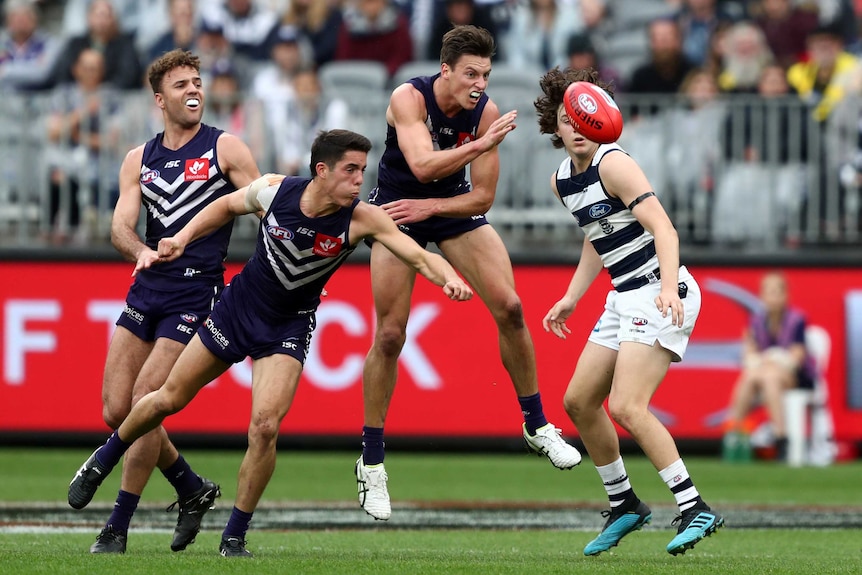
[
  {"x": 308, "y": 229},
  {"x": 436, "y": 126},
  {"x": 649, "y": 313}
]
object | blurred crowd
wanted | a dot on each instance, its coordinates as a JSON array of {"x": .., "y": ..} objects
[{"x": 263, "y": 61}]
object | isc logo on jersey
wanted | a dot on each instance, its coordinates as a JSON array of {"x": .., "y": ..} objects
[{"x": 197, "y": 169}]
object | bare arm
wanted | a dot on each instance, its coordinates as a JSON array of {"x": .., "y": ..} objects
[
  {"x": 215, "y": 215},
  {"x": 372, "y": 221},
  {"x": 624, "y": 179},
  {"x": 124, "y": 223},
  {"x": 407, "y": 113},
  {"x": 236, "y": 160},
  {"x": 588, "y": 268}
]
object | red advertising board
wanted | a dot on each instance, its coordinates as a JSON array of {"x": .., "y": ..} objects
[{"x": 57, "y": 318}]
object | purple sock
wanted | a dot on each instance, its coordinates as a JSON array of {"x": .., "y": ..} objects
[
  {"x": 110, "y": 454},
  {"x": 534, "y": 417},
  {"x": 181, "y": 476},
  {"x": 237, "y": 525},
  {"x": 372, "y": 445},
  {"x": 124, "y": 508}
]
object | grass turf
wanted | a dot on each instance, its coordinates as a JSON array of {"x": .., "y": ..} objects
[
  {"x": 467, "y": 552},
  {"x": 42, "y": 475}
]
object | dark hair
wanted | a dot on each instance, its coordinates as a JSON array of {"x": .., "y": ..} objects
[
  {"x": 554, "y": 84},
  {"x": 174, "y": 59},
  {"x": 329, "y": 147},
  {"x": 467, "y": 39}
]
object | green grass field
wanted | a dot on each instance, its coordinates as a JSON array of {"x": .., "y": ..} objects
[{"x": 36, "y": 480}]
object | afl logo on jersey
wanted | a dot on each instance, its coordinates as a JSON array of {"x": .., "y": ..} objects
[
  {"x": 599, "y": 211},
  {"x": 149, "y": 176},
  {"x": 587, "y": 104},
  {"x": 197, "y": 169},
  {"x": 189, "y": 317},
  {"x": 279, "y": 233}
]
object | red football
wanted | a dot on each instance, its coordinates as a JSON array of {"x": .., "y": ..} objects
[{"x": 593, "y": 112}]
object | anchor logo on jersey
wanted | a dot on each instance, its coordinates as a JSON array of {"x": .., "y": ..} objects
[
  {"x": 327, "y": 246},
  {"x": 197, "y": 169}
]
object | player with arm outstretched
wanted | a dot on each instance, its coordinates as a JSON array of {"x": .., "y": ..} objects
[
  {"x": 173, "y": 176},
  {"x": 308, "y": 229}
]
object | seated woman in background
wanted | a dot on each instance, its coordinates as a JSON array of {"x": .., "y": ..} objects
[{"x": 774, "y": 360}]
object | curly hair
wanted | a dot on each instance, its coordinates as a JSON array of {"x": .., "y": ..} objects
[
  {"x": 174, "y": 59},
  {"x": 554, "y": 84}
]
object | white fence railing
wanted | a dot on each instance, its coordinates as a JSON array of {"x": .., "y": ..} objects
[{"x": 738, "y": 171}]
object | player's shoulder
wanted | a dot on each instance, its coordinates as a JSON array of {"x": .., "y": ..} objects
[
  {"x": 135, "y": 155},
  {"x": 232, "y": 141}
]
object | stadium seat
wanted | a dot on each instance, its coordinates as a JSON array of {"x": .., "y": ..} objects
[
  {"x": 414, "y": 69},
  {"x": 808, "y": 419},
  {"x": 347, "y": 76}
]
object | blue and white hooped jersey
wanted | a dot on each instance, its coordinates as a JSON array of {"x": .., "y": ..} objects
[
  {"x": 295, "y": 254},
  {"x": 626, "y": 248},
  {"x": 175, "y": 186}
]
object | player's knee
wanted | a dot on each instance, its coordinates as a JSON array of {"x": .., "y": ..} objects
[
  {"x": 573, "y": 406},
  {"x": 624, "y": 412},
  {"x": 263, "y": 430},
  {"x": 389, "y": 339},
  {"x": 577, "y": 406},
  {"x": 114, "y": 412},
  {"x": 510, "y": 314}
]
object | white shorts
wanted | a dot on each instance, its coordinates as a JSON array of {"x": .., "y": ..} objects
[{"x": 633, "y": 316}]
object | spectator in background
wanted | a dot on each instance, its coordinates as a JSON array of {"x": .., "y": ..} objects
[
  {"x": 228, "y": 109},
  {"x": 307, "y": 115},
  {"x": 581, "y": 55},
  {"x": 27, "y": 55},
  {"x": 745, "y": 55},
  {"x": 692, "y": 152},
  {"x": 183, "y": 32},
  {"x": 667, "y": 66},
  {"x": 822, "y": 79},
  {"x": 538, "y": 33},
  {"x": 375, "y": 30},
  {"x": 785, "y": 26},
  {"x": 143, "y": 20},
  {"x": 122, "y": 67},
  {"x": 452, "y": 13},
  {"x": 765, "y": 155},
  {"x": 247, "y": 25},
  {"x": 82, "y": 129},
  {"x": 774, "y": 360},
  {"x": 318, "y": 21},
  {"x": 697, "y": 20},
  {"x": 273, "y": 84},
  {"x": 212, "y": 47}
]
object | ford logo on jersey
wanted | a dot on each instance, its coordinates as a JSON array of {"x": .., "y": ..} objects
[
  {"x": 279, "y": 233},
  {"x": 599, "y": 210}
]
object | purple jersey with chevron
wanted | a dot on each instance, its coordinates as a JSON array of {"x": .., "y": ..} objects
[
  {"x": 295, "y": 254},
  {"x": 176, "y": 185},
  {"x": 395, "y": 176}
]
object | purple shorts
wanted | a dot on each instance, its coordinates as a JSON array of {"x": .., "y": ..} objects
[
  {"x": 177, "y": 315},
  {"x": 433, "y": 230},
  {"x": 241, "y": 327}
]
